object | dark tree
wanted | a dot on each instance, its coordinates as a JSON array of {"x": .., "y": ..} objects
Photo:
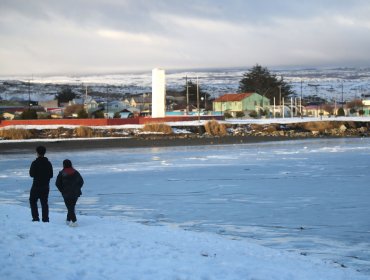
[
  {"x": 341, "y": 112},
  {"x": 82, "y": 114},
  {"x": 72, "y": 109},
  {"x": 29, "y": 114},
  {"x": 260, "y": 80},
  {"x": 203, "y": 96},
  {"x": 98, "y": 115},
  {"x": 65, "y": 95}
]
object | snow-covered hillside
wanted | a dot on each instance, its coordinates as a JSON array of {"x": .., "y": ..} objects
[{"x": 330, "y": 82}]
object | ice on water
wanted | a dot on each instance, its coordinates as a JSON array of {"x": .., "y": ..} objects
[{"x": 309, "y": 196}]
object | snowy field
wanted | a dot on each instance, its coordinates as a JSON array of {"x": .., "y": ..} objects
[
  {"x": 278, "y": 210},
  {"x": 353, "y": 82}
]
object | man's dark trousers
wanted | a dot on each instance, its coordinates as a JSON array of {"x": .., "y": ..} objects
[{"x": 35, "y": 195}]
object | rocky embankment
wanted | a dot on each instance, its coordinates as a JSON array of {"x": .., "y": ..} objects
[
  {"x": 306, "y": 129},
  {"x": 291, "y": 130},
  {"x": 89, "y": 138}
]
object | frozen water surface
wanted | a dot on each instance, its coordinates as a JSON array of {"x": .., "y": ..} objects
[{"x": 310, "y": 196}]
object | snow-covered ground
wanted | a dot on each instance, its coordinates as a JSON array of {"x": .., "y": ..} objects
[
  {"x": 112, "y": 248},
  {"x": 284, "y": 210}
]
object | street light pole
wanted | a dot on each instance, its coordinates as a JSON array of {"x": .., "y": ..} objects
[{"x": 342, "y": 95}]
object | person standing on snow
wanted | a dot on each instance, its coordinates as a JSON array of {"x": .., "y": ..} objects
[
  {"x": 41, "y": 171},
  {"x": 69, "y": 182}
]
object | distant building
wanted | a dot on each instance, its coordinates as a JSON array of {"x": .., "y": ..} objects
[
  {"x": 91, "y": 105},
  {"x": 8, "y": 116},
  {"x": 118, "y": 107},
  {"x": 316, "y": 111},
  {"x": 240, "y": 102},
  {"x": 12, "y": 109},
  {"x": 142, "y": 102},
  {"x": 52, "y": 104},
  {"x": 366, "y": 103}
]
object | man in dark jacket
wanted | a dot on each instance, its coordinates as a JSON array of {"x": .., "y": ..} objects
[
  {"x": 69, "y": 182},
  {"x": 41, "y": 171}
]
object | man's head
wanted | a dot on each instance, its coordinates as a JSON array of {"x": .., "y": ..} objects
[{"x": 41, "y": 150}]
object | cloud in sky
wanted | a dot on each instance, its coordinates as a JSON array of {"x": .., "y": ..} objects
[{"x": 84, "y": 36}]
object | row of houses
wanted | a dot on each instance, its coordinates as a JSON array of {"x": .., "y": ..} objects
[
  {"x": 247, "y": 103},
  {"x": 233, "y": 104}
]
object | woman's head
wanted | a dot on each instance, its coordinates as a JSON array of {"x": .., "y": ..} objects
[{"x": 67, "y": 163}]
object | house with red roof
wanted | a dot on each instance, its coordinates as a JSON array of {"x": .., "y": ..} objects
[{"x": 241, "y": 102}]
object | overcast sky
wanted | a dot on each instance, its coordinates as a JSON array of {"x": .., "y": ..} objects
[{"x": 110, "y": 36}]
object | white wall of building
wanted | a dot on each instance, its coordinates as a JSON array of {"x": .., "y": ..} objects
[
  {"x": 366, "y": 102},
  {"x": 158, "y": 93}
]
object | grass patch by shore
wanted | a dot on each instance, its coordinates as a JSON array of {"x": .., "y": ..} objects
[
  {"x": 215, "y": 128},
  {"x": 15, "y": 134},
  {"x": 158, "y": 128}
]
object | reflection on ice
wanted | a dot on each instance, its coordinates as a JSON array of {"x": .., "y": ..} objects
[
  {"x": 88, "y": 200},
  {"x": 9, "y": 201}
]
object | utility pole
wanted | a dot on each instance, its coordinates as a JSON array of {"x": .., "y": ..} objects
[
  {"x": 281, "y": 113},
  {"x": 187, "y": 95},
  {"x": 205, "y": 102},
  {"x": 221, "y": 105},
  {"x": 29, "y": 95},
  {"x": 300, "y": 107},
  {"x": 316, "y": 86},
  {"x": 198, "y": 99},
  {"x": 342, "y": 95},
  {"x": 107, "y": 102},
  {"x": 279, "y": 86},
  {"x": 291, "y": 108}
]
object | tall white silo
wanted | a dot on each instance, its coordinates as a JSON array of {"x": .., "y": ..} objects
[{"x": 158, "y": 93}]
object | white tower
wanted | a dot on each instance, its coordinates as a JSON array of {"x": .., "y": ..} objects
[{"x": 158, "y": 93}]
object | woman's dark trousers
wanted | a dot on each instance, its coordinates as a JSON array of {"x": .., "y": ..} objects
[{"x": 71, "y": 204}]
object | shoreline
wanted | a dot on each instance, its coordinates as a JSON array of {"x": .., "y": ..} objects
[
  {"x": 149, "y": 142},
  {"x": 104, "y": 143},
  {"x": 87, "y": 138}
]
